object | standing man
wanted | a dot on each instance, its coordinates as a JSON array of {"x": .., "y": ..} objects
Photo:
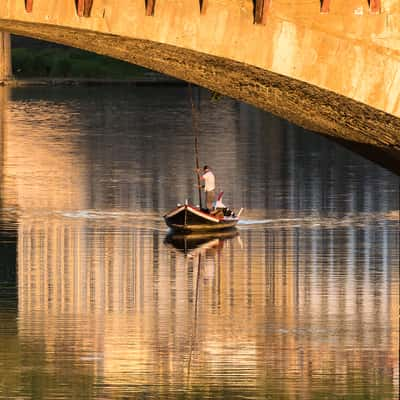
[{"x": 209, "y": 186}]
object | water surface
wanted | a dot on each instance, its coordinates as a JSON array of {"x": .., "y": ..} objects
[{"x": 98, "y": 301}]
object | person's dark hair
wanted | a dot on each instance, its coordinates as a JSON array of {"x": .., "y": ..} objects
[{"x": 205, "y": 167}]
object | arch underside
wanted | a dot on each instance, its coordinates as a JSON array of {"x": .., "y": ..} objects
[{"x": 356, "y": 125}]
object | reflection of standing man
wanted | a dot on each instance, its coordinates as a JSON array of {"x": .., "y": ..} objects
[{"x": 209, "y": 186}]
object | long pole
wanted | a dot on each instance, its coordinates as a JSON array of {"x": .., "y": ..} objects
[{"x": 196, "y": 141}]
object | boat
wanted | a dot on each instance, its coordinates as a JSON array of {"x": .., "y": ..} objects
[{"x": 189, "y": 218}]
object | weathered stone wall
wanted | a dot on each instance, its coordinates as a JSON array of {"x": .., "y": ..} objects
[
  {"x": 348, "y": 50},
  {"x": 332, "y": 66},
  {"x": 5, "y": 57}
]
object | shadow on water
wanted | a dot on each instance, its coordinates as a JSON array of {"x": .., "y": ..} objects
[
  {"x": 8, "y": 272},
  {"x": 8, "y": 234},
  {"x": 8, "y": 291}
]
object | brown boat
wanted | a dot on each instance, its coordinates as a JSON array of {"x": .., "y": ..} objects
[{"x": 188, "y": 218}]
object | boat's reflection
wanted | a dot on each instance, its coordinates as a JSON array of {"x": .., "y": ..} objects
[{"x": 193, "y": 243}]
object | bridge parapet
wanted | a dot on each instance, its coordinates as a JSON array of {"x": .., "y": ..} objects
[{"x": 302, "y": 39}]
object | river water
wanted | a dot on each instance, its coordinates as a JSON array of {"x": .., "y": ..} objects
[{"x": 98, "y": 301}]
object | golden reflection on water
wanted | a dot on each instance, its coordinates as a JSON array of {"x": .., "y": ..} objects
[
  {"x": 110, "y": 307},
  {"x": 267, "y": 307}
]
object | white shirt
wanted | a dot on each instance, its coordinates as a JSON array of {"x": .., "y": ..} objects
[{"x": 209, "y": 181}]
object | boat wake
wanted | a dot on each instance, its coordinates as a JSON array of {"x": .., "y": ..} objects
[
  {"x": 153, "y": 220},
  {"x": 246, "y": 222},
  {"x": 313, "y": 221},
  {"x": 106, "y": 218},
  {"x": 94, "y": 214}
]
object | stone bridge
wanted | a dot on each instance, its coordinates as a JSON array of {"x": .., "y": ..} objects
[{"x": 331, "y": 66}]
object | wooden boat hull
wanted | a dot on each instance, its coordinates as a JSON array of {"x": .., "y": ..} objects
[{"x": 187, "y": 218}]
